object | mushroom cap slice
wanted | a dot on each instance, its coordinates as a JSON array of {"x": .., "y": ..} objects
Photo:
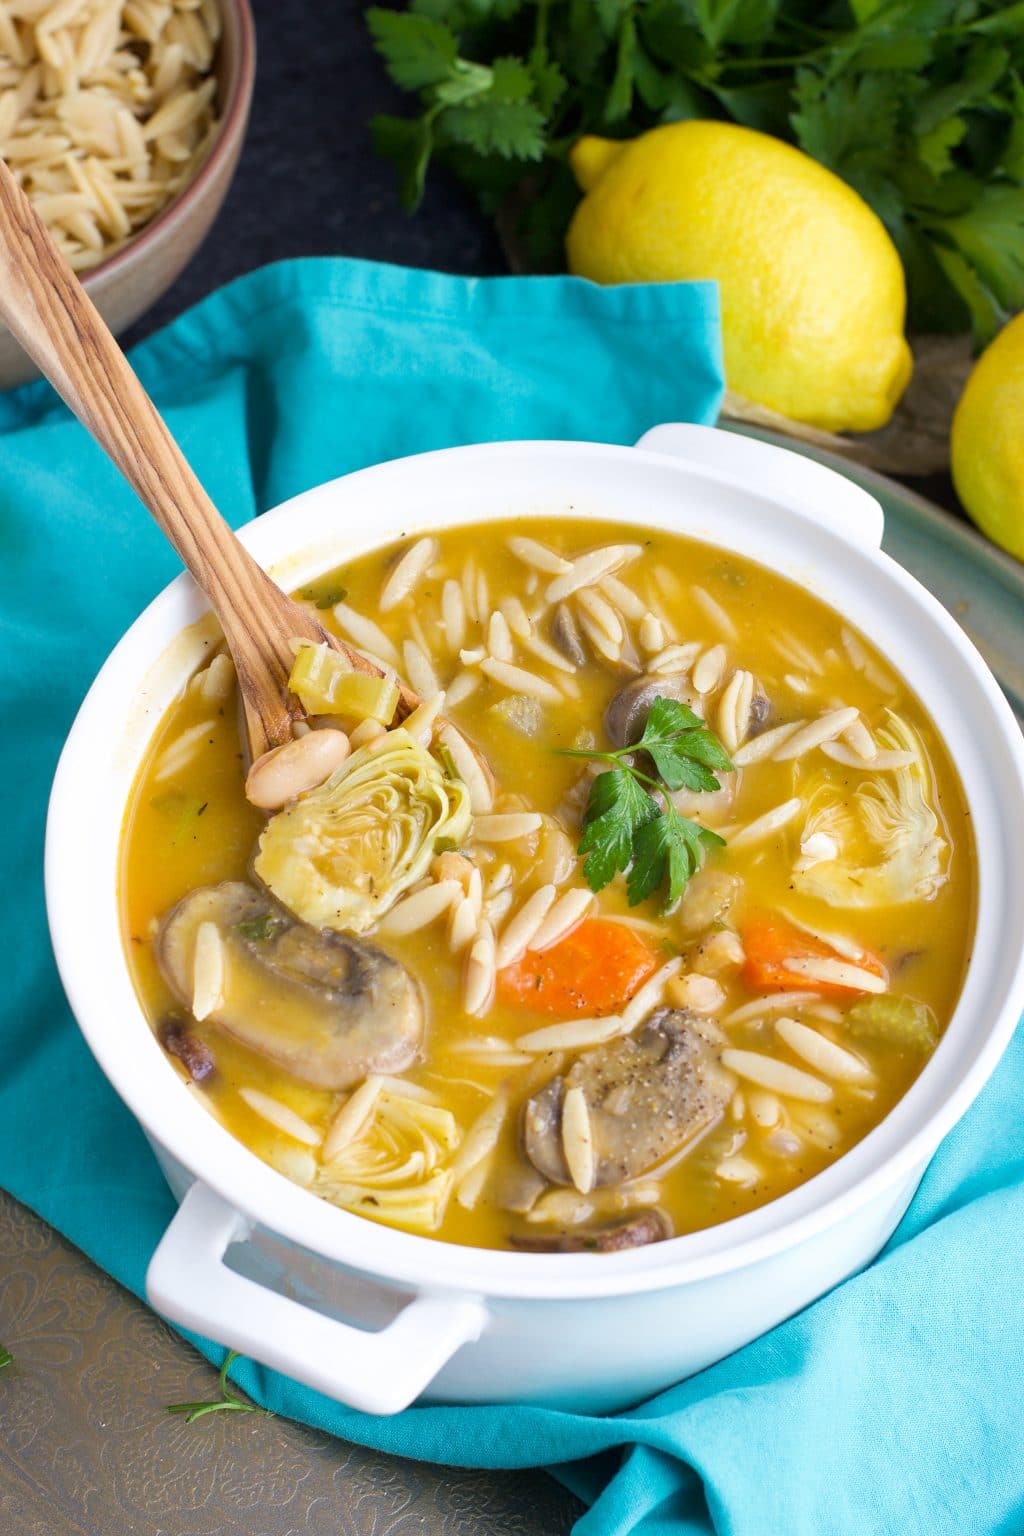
[
  {"x": 627, "y": 710},
  {"x": 326, "y": 1008},
  {"x": 647, "y": 1095},
  {"x": 651, "y": 1226}
]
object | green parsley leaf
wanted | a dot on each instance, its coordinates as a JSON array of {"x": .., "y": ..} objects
[
  {"x": 408, "y": 143},
  {"x": 917, "y": 104},
  {"x": 620, "y": 93},
  {"x": 935, "y": 148},
  {"x": 549, "y": 83},
  {"x": 511, "y": 80},
  {"x": 627, "y": 830},
  {"x": 616, "y": 810},
  {"x": 466, "y": 82},
  {"x": 417, "y": 50},
  {"x": 681, "y": 748},
  {"x": 6, "y": 1358},
  {"x": 735, "y": 21},
  {"x": 228, "y": 1401},
  {"x": 514, "y": 130},
  {"x": 990, "y": 236},
  {"x": 668, "y": 848}
]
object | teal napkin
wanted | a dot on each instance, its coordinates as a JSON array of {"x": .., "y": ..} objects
[{"x": 891, "y": 1406}]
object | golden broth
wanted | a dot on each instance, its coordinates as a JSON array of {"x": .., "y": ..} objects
[{"x": 190, "y": 825}]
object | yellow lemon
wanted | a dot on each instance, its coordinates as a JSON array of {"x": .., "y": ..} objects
[
  {"x": 987, "y": 440},
  {"x": 812, "y": 289}
]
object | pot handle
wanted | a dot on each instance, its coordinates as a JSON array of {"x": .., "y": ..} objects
[
  {"x": 381, "y": 1372},
  {"x": 824, "y": 494}
]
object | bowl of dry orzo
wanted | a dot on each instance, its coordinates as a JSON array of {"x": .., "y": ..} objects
[{"x": 123, "y": 121}]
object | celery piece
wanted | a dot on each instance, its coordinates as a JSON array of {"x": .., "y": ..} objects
[
  {"x": 327, "y": 685},
  {"x": 896, "y": 1020}
]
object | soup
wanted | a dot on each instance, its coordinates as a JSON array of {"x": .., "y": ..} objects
[{"x": 655, "y": 906}]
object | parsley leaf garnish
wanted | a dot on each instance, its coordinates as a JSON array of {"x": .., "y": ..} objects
[
  {"x": 669, "y": 847},
  {"x": 681, "y": 747},
  {"x": 617, "y": 810},
  {"x": 630, "y": 824},
  {"x": 918, "y": 104},
  {"x": 228, "y": 1401},
  {"x": 5, "y": 1357}
]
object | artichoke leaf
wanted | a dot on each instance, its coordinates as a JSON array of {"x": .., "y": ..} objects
[
  {"x": 889, "y": 849},
  {"x": 341, "y": 856}
]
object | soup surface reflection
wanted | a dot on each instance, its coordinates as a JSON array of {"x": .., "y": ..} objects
[{"x": 500, "y": 975}]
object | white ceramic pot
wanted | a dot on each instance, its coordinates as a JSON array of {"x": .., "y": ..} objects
[{"x": 378, "y": 1318}]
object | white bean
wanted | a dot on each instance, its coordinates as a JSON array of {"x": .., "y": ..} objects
[{"x": 285, "y": 772}]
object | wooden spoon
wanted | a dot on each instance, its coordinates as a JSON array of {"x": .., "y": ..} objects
[{"x": 51, "y": 315}]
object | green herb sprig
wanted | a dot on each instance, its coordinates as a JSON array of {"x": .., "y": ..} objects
[
  {"x": 227, "y": 1402},
  {"x": 918, "y": 104},
  {"x": 630, "y": 823},
  {"x": 6, "y": 1358}
]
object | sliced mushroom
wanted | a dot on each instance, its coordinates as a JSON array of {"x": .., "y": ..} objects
[
  {"x": 650, "y": 1226},
  {"x": 194, "y": 1054},
  {"x": 647, "y": 1095},
  {"x": 760, "y": 711},
  {"x": 517, "y": 1186},
  {"x": 566, "y": 635},
  {"x": 327, "y": 1008},
  {"x": 626, "y": 714}
]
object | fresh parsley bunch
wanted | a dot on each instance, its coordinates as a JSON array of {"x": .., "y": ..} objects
[
  {"x": 918, "y": 104},
  {"x": 630, "y": 823}
]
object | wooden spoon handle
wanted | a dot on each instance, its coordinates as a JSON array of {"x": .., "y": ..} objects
[{"x": 53, "y": 318}]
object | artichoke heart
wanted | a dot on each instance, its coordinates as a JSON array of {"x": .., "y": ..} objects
[
  {"x": 340, "y": 856},
  {"x": 889, "y": 850}
]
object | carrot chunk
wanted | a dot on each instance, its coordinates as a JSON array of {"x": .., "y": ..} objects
[
  {"x": 594, "y": 970},
  {"x": 770, "y": 941}
]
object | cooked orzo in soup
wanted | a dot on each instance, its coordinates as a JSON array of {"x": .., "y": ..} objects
[{"x": 652, "y": 909}]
